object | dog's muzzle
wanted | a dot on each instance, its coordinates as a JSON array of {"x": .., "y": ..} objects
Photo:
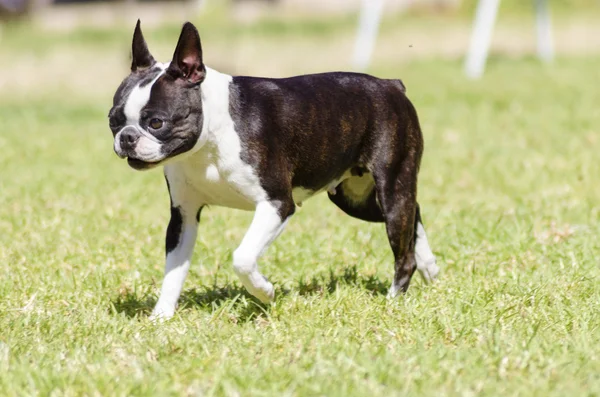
[
  {"x": 125, "y": 141},
  {"x": 142, "y": 150},
  {"x": 128, "y": 139}
]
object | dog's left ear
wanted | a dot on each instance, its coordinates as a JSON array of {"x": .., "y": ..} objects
[{"x": 187, "y": 60}]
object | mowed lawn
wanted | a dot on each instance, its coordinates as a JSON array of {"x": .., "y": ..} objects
[{"x": 510, "y": 195}]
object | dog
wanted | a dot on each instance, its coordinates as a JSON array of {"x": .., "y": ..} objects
[{"x": 267, "y": 144}]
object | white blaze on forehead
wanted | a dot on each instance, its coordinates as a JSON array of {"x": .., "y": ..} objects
[{"x": 139, "y": 97}]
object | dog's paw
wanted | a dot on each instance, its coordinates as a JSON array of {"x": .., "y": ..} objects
[
  {"x": 162, "y": 313},
  {"x": 264, "y": 292},
  {"x": 258, "y": 286},
  {"x": 429, "y": 270},
  {"x": 393, "y": 291},
  {"x": 266, "y": 296}
]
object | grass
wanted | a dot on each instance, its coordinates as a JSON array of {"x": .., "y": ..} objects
[{"x": 510, "y": 198}]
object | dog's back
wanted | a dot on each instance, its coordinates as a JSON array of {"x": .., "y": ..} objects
[{"x": 324, "y": 124}]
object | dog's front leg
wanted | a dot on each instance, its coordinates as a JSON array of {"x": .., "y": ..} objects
[
  {"x": 179, "y": 244},
  {"x": 268, "y": 222}
]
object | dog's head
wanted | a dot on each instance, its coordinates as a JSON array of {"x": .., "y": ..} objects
[{"x": 157, "y": 110}]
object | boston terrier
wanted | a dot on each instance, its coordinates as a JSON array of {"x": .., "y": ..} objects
[{"x": 267, "y": 144}]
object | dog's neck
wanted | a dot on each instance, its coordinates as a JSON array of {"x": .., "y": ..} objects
[
  {"x": 218, "y": 141},
  {"x": 215, "y": 103}
]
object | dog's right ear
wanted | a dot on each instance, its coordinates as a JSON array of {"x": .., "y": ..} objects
[
  {"x": 187, "y": 62},
  {"x": 141, "y": 57}
]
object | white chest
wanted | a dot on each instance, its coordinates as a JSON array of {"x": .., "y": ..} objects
[{"x": 207, "y": 178}]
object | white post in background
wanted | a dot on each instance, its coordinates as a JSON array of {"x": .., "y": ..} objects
[
  {"x": 544, "y": 31},
  {"x": 485, "y": 18},
  {"x": 368, "y": 26}
]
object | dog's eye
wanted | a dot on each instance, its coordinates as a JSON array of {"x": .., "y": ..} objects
[{"x": 156, "y": 124}]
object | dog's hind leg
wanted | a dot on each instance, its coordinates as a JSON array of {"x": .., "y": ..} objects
[
  {"x": 395, "y": 174},
  {"x": 426, "y": 263},
  {"x": 357, "y": 198},
  {"x": 398, "y": 203},
  {"x": 268, "y": 222}
]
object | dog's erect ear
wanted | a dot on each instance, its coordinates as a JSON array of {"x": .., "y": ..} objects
[
  {"x": 141, "y": 57},
  {"x": 187, "y": 60}
]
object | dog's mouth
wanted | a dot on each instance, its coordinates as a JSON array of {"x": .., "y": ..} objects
[{"x": 140, "y": 165}]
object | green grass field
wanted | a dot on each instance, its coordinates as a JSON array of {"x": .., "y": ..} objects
[{"x": 510, "y": 196}]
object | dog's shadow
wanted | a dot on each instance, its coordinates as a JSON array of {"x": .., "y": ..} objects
[
  {"x": 140, "y": 303},
  {"x": 349, "y": 277}
]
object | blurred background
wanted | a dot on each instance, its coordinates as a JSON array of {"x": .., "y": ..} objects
[{"x": 84, "y": 44}]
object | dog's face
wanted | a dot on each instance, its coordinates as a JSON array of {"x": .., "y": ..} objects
[{"x": 157, "y": 110}]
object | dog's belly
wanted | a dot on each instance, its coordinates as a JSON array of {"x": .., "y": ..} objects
[{"x": 300, "y": 194}]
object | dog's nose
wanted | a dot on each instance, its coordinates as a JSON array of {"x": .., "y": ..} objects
[{"x": 127, "y": 139}]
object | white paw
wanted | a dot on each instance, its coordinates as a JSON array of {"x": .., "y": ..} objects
[
  {"x": 429, "y": 270},
  {"x": 392, "y": 292},
  {"x": 259, "y": 287},
  {"x": 162, "y": 313},
  {"x": 265, "y": 294}
]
